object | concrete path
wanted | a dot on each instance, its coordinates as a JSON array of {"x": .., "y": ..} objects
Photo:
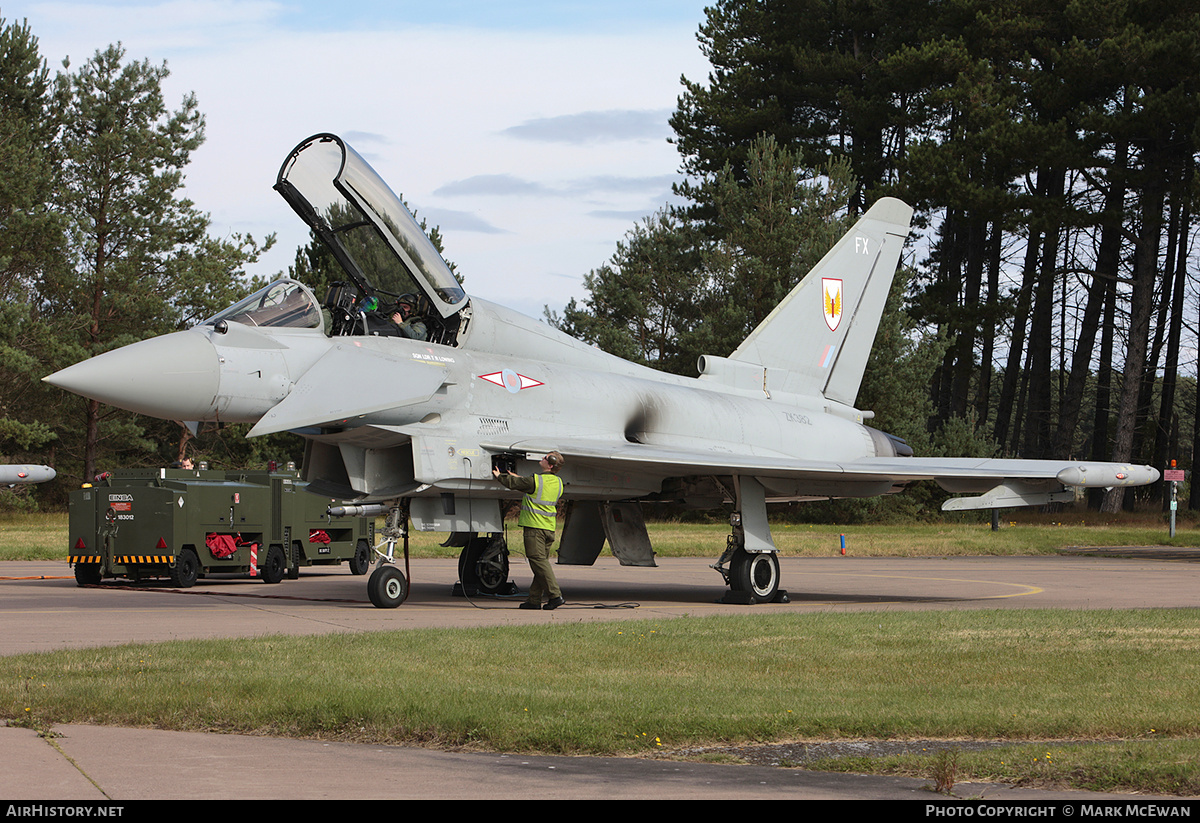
[{"x": 102, "y": 764}]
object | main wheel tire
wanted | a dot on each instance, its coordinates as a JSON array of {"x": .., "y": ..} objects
[
  {"x": 492, "y": 567},
  {"x": 361, "y": 561},
  {"x": 186, "y": 570},
  {"x": 756, "y": 574},
  {"x": 87, "y": 574},
  {"x": 387, "y": 587},
  {"x": 483, "y": 563},
  {"x": 275, "y": 566}
]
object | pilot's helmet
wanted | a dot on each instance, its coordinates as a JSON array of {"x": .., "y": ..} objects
[{"x": 409, "y": 300}]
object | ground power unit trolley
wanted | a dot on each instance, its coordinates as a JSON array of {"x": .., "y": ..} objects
[{"x": 182, "y": 524}]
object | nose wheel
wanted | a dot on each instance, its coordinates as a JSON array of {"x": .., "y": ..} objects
[{"x": 387, "y": 587}]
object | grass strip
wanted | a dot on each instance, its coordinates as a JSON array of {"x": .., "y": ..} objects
[
  {"x": 629, "y": 687},
  {"x": 1154, "y": 766},
  {"x": 43, "y": 536}
]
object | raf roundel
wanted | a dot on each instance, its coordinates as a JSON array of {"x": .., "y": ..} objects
[{"x": 510, "y": 380}]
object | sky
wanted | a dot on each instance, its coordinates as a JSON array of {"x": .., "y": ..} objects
[{"x": 533, "y": 134}]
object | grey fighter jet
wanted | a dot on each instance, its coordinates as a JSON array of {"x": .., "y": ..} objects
[{"x": 415, "y": 425}]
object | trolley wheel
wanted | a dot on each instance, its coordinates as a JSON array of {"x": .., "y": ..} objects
[
  {"x": 275, "y": 566},
  {"x": 293, "y": 572},
  {"x": 387, "y": 587},
  {"x": 87, "y": 574},
  {"x": 361, "y": 561},
  {"x": 186, "y": 569}
]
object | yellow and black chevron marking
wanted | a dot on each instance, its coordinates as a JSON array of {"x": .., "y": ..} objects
[
  {"x": 129, "y": 559},
  {"x": 84, "y": 558}
]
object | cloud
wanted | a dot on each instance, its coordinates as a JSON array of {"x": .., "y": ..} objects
[
  {"x": 632, "y": 216},
  {"x": 172, "y": 24},
  {"x": 614, "y": 184},
  {"x": 503, "y": 185},
  {"x": 507, "y": 185},
  {"x": 360, "y": 138},
  {"x": 520, "y": 109},
  {"x": 595, "y": 127},
  {"x": 449, "y": 220}
]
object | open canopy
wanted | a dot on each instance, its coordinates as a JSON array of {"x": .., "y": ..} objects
[
  {"x": 372, "y": 234},
  {"x": 283, "y": 304}
]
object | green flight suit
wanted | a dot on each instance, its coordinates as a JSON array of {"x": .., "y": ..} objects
[{"x": 537, "y": 512}]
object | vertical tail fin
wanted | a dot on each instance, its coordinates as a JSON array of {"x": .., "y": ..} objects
[{"x": 820, "y": 336}]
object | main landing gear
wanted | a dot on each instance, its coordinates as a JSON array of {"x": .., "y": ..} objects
[
  {"x": 753, "y": 571},
  {"x": 483, "y": 567}
]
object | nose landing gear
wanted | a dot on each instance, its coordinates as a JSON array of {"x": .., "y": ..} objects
[{"x": 387, "y": 586}]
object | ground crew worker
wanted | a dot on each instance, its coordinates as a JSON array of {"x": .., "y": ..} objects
[{"x": 538, "y": 508}]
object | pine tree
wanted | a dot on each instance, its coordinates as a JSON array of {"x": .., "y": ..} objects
[
  {"x": 30, "y": 243},
  {"x": 141, "y": 261}
]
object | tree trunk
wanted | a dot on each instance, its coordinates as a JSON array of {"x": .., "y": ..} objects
[
  {"x": 1140, "y": 309},
  {"x": 1016, "y": 348},
  {"x": 1107, "y": 265},
  {"x": 1167, "y": 419}
]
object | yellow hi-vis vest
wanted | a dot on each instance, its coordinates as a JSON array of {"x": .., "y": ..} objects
[{"x": 537, "y": 509}]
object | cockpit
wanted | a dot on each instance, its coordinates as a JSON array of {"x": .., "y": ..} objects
[
  {"x": 395, "y": 272},
  {"x": 283, "y": 304}
]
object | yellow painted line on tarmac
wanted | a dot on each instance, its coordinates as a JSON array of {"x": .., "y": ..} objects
[{"x": 1027, "y": 589}]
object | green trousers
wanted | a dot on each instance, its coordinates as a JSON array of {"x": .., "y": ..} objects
[{"x": 537, "y": 552}]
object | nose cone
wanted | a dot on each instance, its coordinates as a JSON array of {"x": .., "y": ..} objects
[{"x": 173, "y": 377}]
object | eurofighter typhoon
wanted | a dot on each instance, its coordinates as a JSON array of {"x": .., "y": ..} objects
[{"x": 415, "y": 420}]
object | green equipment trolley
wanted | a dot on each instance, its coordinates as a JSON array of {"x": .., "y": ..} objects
[{"x": 182, "y": 524}]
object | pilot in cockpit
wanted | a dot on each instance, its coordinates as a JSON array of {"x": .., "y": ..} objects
[{"x": 407, "y": 321}]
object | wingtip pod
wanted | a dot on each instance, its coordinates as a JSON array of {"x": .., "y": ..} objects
[
  {"x": 1107, "y": 475},
  {"x": 25, "y": 475}
]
